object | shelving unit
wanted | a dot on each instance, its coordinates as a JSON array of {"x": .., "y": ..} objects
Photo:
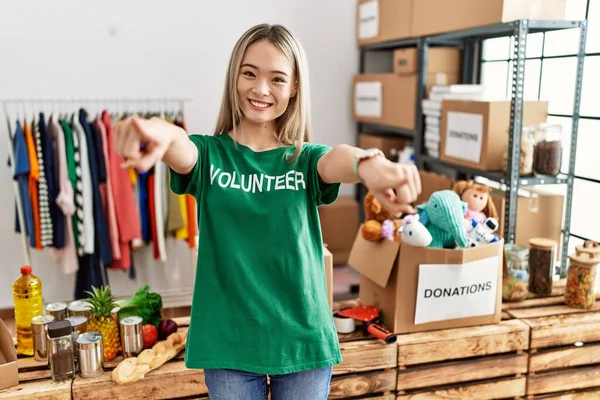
[{"x": 470, "y": 41}]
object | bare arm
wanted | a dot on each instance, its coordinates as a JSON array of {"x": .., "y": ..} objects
[
  {"x": 182, "y": 154},
  {"x": 161, "y": 140},
  {"x": 393, "y": 184}
]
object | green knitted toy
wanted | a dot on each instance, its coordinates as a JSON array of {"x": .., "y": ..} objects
[{"x": 443, "y": 216}]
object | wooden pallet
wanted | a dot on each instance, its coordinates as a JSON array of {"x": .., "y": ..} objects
[
  {"x": 35, "y": 383},
  {"x": 368, "y": 371},
  {"x": 564, "y": 353},
  {"x": 484, "y": 362}
]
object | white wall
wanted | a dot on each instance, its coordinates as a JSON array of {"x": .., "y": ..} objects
[{"x": 140, "y": 48}]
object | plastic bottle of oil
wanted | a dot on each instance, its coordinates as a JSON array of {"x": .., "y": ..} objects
[{"x": 27, "y": 296}]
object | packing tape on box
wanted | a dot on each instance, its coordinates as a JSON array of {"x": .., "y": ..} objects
[{"x": 343, "y": 324}]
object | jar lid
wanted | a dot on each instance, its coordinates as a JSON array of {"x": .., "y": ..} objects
[
  {"x": 589, "y": 246},
  {"x": 59, "y": 328},
  {"x": 542, "y": 243},
  {"x": 79, "y": 305},
  {"x": 89, "y": 340},
  {"x": 133, "y": 320},
  {"x": 584, "y": 258},
  {"x": 58, "y": 306},
  {"x": 77, "y": 320},
  {"x": 42, "y": 319}
]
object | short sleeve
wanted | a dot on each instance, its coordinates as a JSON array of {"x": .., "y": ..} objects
[
  {"x": 324, "y": 193},
  {"x": 190, "y": 183}
]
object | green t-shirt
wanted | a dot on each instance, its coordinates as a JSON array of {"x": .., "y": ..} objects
[{"x": 260, "y": 296}]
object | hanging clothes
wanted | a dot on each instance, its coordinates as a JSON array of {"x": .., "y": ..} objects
[
  {"x": 21, "y": 175},
  {"x": 67, "y": 255},
  {"x": 127, "y": 217},
  {"x": 34, "y": 177},
  {"x": 86, "y": 229}
]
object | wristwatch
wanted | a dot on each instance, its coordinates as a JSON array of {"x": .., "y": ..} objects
[{"x": 365, "y": 155}]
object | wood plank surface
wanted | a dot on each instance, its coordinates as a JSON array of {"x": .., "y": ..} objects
[
  {"x": 450, "y": 344},
  {"x": 567, "y": 357},
  {"x": 562, "y": 381},
  {"x": 533, "y": 302},
  {"x": 343, "y": 386},
  {"x": 535, "y": 312},
  {"x": 593, "y": 394},
  {"x": 366, "y": 356},
  {"x": 40, "y": 390},
  {"x": 171, "y": 380},
  {"x": 560, "y": 330},
  {"x": 462, "y": 371},
  {"x": 502, "y": 389}
]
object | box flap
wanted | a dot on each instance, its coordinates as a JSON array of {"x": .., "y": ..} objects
[
  {"x": 375, "y": 260},
  {"x": 7, "y": 347}
]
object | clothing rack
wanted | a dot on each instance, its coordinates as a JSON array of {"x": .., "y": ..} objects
[{"x": 161, "y": 103}]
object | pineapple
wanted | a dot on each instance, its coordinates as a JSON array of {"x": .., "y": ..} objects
[{"x": 101, "y": 320}]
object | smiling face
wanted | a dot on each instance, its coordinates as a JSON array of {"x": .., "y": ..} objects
[
  {"x": 265, "y": 83},
  {"x": 476, "y": 199}
]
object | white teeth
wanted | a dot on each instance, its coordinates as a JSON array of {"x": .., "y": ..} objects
[{"x": 261, "y": 105}]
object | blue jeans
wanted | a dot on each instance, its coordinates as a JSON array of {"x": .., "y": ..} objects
[{"x": 228, "y": 384}]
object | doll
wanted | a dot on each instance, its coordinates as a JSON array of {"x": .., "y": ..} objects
[{"x": 479, "y": 200}]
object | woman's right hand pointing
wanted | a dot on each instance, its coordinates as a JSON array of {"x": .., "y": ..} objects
[{"x": 143, "y": 142}]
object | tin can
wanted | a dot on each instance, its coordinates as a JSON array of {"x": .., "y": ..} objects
[
  {"x": 132, "y": 340},
  {"x": 90, "y": 354},
  {"x": 79, "y": 308},
  {"x": 115, "y": 314},
  {"x": 58, "y": 310},
  {"x": 78, "y": 326},
  {"x": 39, "y": 326}
]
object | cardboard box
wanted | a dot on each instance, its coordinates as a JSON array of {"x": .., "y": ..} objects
[
  {"x": 439, "y": 59},
  {"x": 474, "y": 133},
  {"x": 438, "y": 16},
  {"x": 382, "y": 20},
  {"x": 422, "y": 289},
  {"x": 388, "y": 99},
  {"x": 432, "y": 182},
  {"x": 9, "y": 370},
  {"x": 539, "y": 214},
  {"x": 328, "y": 262},
  {"x": 339, "y": 222}
]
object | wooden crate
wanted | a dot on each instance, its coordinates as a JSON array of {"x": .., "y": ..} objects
[
  {"x": 564, "y": 353},
  {"x": 483, "y": 362},
  {"x": 368, "y": 369}
]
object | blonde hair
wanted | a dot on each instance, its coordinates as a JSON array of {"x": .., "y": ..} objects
[{"x": 293, "y": 126}]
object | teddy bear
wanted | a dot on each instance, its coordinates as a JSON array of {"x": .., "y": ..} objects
[{"x": 379, "y": 223}]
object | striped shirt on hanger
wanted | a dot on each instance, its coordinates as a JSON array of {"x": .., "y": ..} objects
[{"x": 44, "y": 202}]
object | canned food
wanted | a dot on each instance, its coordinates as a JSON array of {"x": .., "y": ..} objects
[
  {"x": 79, "y": 308},
  {"x": 132, "y": 340},
  {"x": 58, "y": 310},
  {"x": 90, "y": 354},
  {"x": 39, "y": 325}
]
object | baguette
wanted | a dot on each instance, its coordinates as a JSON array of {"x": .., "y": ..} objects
[{"x": 132, "y": 369}]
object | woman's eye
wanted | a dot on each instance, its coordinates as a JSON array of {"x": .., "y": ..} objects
[
  {"x": 248, "y": 73},
  {"x": 278, "y": 80}
]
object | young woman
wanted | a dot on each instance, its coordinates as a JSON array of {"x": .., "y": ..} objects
[{"x": 260, "y": 300}]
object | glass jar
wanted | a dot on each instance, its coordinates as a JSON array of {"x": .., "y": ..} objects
[
  {"x": 542, "y": 254},
  {"x": 580, "y": 291},
  {"x": 548, "y": 150},
  {"x": 527, "y": 148},
  {"x": 515, "y": 282},
  {"x": 61, "y": 351},
  {"x": 589, "y": 246}
]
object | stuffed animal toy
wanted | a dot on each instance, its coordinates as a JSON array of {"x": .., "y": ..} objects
[
  {"x": 483, "y": 233},
  {"x": 379, "y": 223},
  {"x": 479, "y": 200},
  {"x": 414, "y": 232},
  {"x": 443, "y": 216}
]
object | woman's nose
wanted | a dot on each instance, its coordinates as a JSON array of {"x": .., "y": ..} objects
[{"x": 261, "y": 88}]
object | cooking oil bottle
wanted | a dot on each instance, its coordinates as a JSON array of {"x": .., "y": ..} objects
[{"x": 27, "y": 296}]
